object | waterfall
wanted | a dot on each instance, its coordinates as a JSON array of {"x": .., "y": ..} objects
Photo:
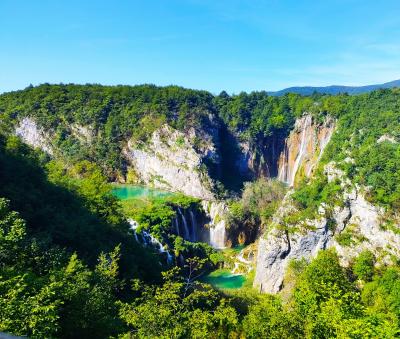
[
  {"x": 216, "y": 211},
  {"x": 283, "y": 164},
  {"x": 241, "y": 261},
  {"x": 161, "y": 248},
  {"x": 194, "y": 225},
  {"x": 149, "y": 239},
  {"x": 185, "y": 226},
  {"x": 134, "y": 226},
  {"x": 176, "y": 223},
  {"x": 301, "y": 149},
  {"x": 217, "y": 235}
]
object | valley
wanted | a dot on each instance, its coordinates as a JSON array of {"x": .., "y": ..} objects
[{"x": 176, "y": 202}]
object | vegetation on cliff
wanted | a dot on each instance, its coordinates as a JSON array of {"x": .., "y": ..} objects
[
  {"x": 112, "y": 115},
  {"x": 69, "y": 264},
  {"x": 365, "y": 146},
  {"x": 249, "y": 216}
]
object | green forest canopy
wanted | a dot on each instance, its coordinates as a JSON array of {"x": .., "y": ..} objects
[{"x": 69, "y": 266}]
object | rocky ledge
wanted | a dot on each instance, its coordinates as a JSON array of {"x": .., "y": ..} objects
[{"x": 361, "y": 220}]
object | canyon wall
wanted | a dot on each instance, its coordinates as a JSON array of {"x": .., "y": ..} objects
[
  {"x": 169, "y": 161},
  {"x": 358, "y": 218},
  {"x": 303, "y": 148},
  {"x": 190, "y": 161},
  {"x": 33, "y": 135}
]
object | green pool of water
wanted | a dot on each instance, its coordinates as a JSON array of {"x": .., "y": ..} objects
[
  {"x": 238, "y": 248},
  {"x": 124, "y": 192},
  {"x": 224, "y": 279}
]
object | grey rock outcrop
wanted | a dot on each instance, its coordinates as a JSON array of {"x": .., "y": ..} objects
[
  {"x": 356, "y": 215},
  {"x": 35, "y": 136},
  {"x": 387, "y": 137},
  {"x": 169, "y": 161}
]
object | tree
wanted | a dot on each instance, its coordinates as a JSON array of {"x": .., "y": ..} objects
[
  {"x": 363, "y": 266},
  {"x": 181, "y": 308}
]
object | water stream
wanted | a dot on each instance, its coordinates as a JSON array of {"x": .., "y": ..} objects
[
  {"x": 302, "y": 148},
  {"x": 185, "y": 225},
  {"x": 148, "y": 239}
]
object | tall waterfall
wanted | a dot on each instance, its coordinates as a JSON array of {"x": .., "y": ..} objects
[
  {"x": 185, "y": 225},
  {"x": 283, "y": 167},
  {"x": 302, "y": 148},
  {"x": 148, "y": 239}
]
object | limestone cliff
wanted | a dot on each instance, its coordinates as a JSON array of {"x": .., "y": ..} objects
[
  {"x": 304, "y": 147},
  {"x": 251, "y": 161},
  {"x": 169, "y": 161},
  {"x": 35, "y": 136},
  {"x": 355, "y": 216}
]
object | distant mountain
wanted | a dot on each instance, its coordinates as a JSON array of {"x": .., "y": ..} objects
[{"x": 334, "y": 89}]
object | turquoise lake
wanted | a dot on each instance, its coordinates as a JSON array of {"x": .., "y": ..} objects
[
  {"x": 137, "y": 192},
  {"x": 224, "y": 279}
]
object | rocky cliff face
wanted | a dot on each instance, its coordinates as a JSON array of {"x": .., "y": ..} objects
[
  {"x": 252, "y": 162},
  {"x": 356, "y": 217},
  {"x": 169, "y": 161},
  {"x": 303, "y": 148},
  {"x": 35, "y": 136}
]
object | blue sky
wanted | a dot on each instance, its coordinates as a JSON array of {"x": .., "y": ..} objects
[{"x": 205, "y": 44}]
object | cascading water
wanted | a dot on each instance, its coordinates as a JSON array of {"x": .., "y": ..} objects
[
  {"x": 176, "y": 224},
  {"x": 185, "y": 225},
  {"x": 161, "y": 248},
  {"x": 217, "y": 235},
  {"x": 302, "y": 149},
  {"x": 241, "y": 261},
  {"x": 134, "y": 226},
  {"x": 282, "y": 171},
  {"x": 194, "y": 225},
  {"x": 149, "y": 239}
]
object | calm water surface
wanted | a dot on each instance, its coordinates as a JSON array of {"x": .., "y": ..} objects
[
  {"x": 225, "y": 279},
  {"x": 137, "y": 192}
]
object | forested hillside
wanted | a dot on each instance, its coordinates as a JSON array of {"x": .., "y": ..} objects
[
  {"x": 71, "y": 262},
  {"x": 115, "y": 114}
]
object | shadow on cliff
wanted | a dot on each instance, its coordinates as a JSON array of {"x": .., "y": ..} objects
[
  {"x": 229, "y": 173},
  {"x": 238, "y": 166},
  {"x": 58, "y": 217}
]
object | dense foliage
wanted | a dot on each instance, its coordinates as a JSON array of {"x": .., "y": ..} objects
[
  {"x": 111, "y": 115},
  {"x": 365, "y": 146},
  {"x": 249, "y": 215},
  {"x": 44, "y": 295},
  {"x": 65, "y": 248},
  {"x": 70, "y": 208},
  {"x": 154, "y": 215},
  {"x": 70, "y": 266}
]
